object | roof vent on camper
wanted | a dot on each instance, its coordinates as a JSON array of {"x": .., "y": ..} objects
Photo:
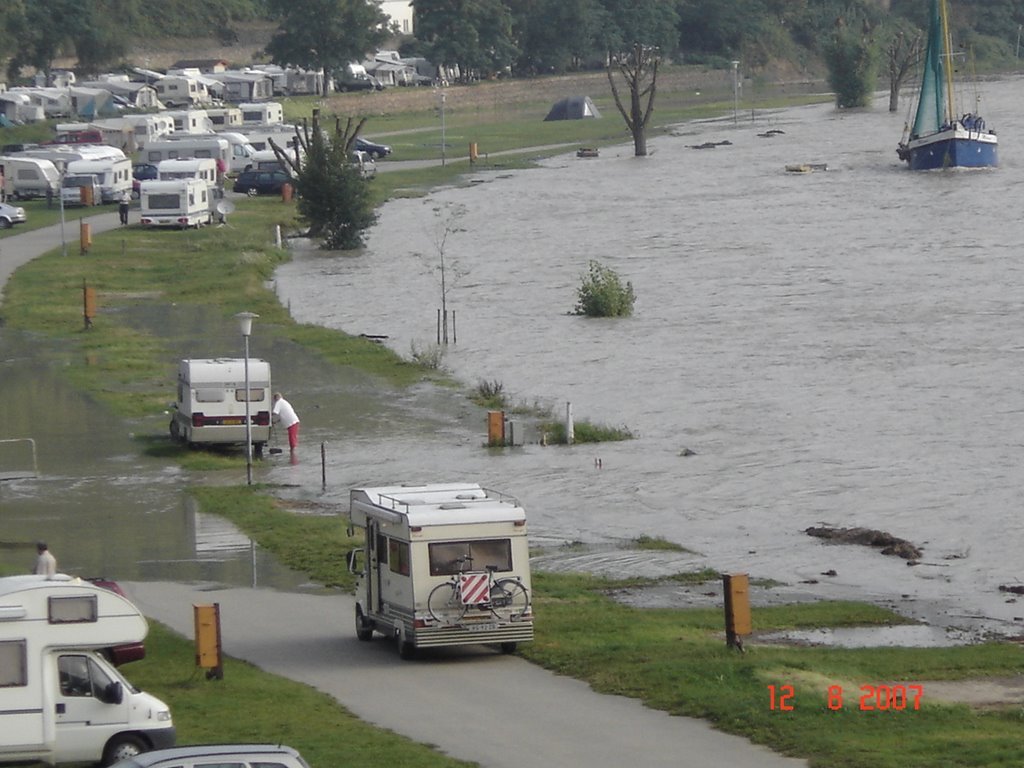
[
  {"x": 452, "y": 506},
  {"x": 466, "y": 496}
]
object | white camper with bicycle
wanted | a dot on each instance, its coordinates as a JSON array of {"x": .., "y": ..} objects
[{"x": 442, "y": 565}]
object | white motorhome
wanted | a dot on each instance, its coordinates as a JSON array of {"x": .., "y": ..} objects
[
  {"x": 204, "y": 169},
  {"x": 114, "y": 176},
  {"x": 211, "y": 402},
  {"x": 181, "y": 203},
  {"x": 240, "y": 149},
  {"x": 443, "y": 564},
  {"x": 60, "y": 700},
  {"x": 29, "y": 177},
  {"x": 191, "y": 122},
  {"x": 182, "y": 91},
  {"x": 167, "y": 148}
]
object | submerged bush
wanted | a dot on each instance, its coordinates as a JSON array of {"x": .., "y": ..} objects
[{"x": 602, "y": 294}]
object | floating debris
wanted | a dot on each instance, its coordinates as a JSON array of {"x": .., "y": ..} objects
[
  {"x": 711, "y": 144},
  {"x": 807, "y": 167},
  {"x": 889, "y": 544}
]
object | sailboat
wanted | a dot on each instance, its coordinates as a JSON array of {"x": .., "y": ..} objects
[{"x": 940, "y": 138}]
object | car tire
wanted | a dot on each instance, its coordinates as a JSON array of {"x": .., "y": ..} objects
[
  {"x": 6, "y": 224},
  {"x": 252, "y": 192}
]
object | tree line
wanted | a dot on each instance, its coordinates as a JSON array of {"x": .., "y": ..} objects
[{"x": 486, "y": 38}]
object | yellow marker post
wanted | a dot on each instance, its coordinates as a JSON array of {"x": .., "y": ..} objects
[
  {"x": 208, "y": 646},
  {"x": 736, "y": 589}
]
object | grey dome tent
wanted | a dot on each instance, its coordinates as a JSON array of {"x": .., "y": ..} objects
[{"x": 573, "y": 108}]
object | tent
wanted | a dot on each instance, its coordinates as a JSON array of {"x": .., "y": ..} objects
[{"x": 573, "y": 108}]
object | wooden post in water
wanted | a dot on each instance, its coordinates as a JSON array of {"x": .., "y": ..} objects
[{"x": 323, "y": 466}]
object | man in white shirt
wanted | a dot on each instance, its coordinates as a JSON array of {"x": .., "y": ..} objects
[
  {"x": 46, "y": 563},
  {"x": 284, "y": 415}
]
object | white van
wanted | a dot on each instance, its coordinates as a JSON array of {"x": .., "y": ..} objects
[
  {"x": 211, "y": 403},
  {"x": 80, "y": 189},
  {"x": 204, "y": 169},
  {"x": 114, "y": 175},
  {"x": 29, "y": 177},
  {"x": 181, "y": 203},
  {"x": 60, "y": 700},
  {"x": 211, "y": 146},
  {"x": 241, "y": 151},
  {"x": 443, "y": 564}
]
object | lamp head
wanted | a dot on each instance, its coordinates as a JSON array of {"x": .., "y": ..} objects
[{"x": 245, "y": 321}]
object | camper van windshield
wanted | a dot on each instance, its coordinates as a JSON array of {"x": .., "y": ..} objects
[
  {"x": 78, "y": 181},
  {"x": 450, "y": 557},
  {"x": 165, "y": 202}
]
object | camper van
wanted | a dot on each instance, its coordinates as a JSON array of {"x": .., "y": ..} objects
[
  {"x": 211, "y": 403},
  {"x": 114, "y": 176},
  {"x": 204, "y": 169},
  {"x": 181, "y": 203},
  {"x": 60, "y": 700},
  {"x": 240, "y": 150},
  {"x": 167, "y": 148},
  {"x": 443, "y": 564},
  {"x": 80, "y": 189},
  {"x": 29, "y": 177}
]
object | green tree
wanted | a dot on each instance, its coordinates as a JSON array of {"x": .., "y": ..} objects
[
  {"x": 333, "y": 196},
  {"x": 852, "y": 60},
  {"x": 42, "y": 30},
  {"x": 474, "y": 36},
  {"x": 602, "y": 294},
  {"x": 325, "y": 34},
  {"x": 554, "y": 35}
]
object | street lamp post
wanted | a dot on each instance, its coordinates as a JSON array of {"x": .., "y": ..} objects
[
  {"x": 60, "y": 196},
  {"x": 443, "y": 146},
  {"x": 245, "y": 324},
  {"x": 735, "y": 91}
]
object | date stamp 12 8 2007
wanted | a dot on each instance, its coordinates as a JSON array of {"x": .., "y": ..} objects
[{"x": 879, "y": 698}]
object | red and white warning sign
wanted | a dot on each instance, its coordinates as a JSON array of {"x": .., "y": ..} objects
[{"x": 474, "y": 588}]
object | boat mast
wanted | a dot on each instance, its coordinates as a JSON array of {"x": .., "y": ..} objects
[{"x": 948, "y": 64}]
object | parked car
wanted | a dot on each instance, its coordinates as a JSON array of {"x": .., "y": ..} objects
[
  {"x": 119, "y": 654},
  {"x": 145, "y": 172},
  {"x": 372, "y": 148},
  {"x": 220, "y": 755},
  {"x": 261, "y": 182},
  {"x": 11, "y": 215}
]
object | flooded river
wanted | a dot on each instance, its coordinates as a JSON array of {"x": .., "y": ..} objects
[{"x": 837, "y": 347}]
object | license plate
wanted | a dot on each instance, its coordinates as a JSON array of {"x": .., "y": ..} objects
[
  {"x": 232, "y": 422},
  {"x": 481, "y": 627}
]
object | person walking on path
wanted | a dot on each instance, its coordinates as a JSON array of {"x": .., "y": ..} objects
[
  {"x": 46, "y": 563},
  {"x": 123, "y": 205},
  {"x": 285, "y": 415}
]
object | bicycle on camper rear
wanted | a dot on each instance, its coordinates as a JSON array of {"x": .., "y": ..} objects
[{"x": 477, "y": 592}]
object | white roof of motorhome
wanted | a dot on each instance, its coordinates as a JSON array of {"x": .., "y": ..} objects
[
  {"x": 222, "y": 369},
  {"x": 437, "y": 504}
]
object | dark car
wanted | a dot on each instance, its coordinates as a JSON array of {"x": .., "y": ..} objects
[
  {"x": 372, "y": 148},
  {"x": 261, "y": 182},
  {"x": 142, "y": 172}
]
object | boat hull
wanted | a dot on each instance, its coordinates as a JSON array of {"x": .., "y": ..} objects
[{"x": 953, "y": 149}]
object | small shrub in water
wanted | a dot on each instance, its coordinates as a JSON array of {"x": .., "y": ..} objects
[{"x": 602, "y": 294}]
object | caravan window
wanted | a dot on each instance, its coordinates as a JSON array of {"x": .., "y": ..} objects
[
  {"x": 398, "y": 557},
  {"x": 13, "y": 664},
  {"x": 169, "y": 202},
  {"x": 256, "y": 394},
  {"x": 209, "y": 395},
  {"x": 450, "y": 557},
  {"x": 73, "y": 610}
]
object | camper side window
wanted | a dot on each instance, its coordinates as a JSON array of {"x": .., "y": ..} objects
[
  {"x": 72, "y": 610},
  {"x": 398, "y": 557},
  {"x": 451, "y": 557},
  {"x": 256, "y": 395},
  {"x": 210, "y": 396},
  {"x": 13, "y": 664}
]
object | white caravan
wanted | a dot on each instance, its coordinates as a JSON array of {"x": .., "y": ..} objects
[
  {"x": 114, "y": 176},
  {"x": 181, "y": 203},
  {"x": 443, "y": 564},
  {"x": 211, "y": 402},
  {"x": 204, "y": 169},
  {"x": 167, "y": 148},
  {"x": 262, "y": 113},
  {"x": 29, "y": 177},
  {"x": 60, "y": 700},
  {"x": 182, "y": 91}
]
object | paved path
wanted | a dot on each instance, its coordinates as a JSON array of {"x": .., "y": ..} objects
[{"x": 474, "y": 704}]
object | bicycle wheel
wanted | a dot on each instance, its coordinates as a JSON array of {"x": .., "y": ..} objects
[
  {"x": 445, "y": 605},
  {"x": 509, "y": 599}
]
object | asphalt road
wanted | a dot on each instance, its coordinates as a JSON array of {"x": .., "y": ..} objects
[{"x": 472, "y": 703}]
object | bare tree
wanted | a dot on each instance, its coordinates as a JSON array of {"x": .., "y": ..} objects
[
  {"x": 638, "y": 67},
  {"x": 904, "y": 53},
  {"x": 449, "y": 271}
]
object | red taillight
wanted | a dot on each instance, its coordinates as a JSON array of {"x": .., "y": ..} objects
[
  {"x": 198, "y": 420},
  {"x": 262, "y": 419},
  {"x": 145, "y": 221},
  {"x": 183, "y": 221}
]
